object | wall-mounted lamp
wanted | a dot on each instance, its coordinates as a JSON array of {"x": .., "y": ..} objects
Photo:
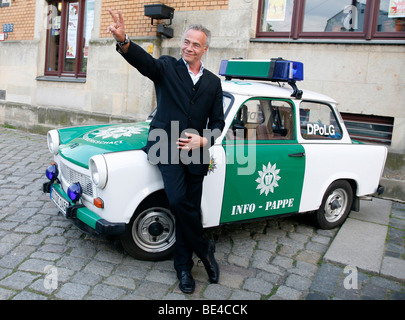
[
  {"x": 160, "y": 12},
  {"x": 5, "y": 3}
]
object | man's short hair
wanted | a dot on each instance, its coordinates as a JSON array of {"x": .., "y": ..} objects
[{"x": 199, "y": 27}]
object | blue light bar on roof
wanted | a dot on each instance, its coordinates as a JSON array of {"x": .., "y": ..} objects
[{"x": 273, "y": 70}]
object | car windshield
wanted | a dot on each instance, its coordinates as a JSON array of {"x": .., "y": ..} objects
[{"x": 227, "y": 102}]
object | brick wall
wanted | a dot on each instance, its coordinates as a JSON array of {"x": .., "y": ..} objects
[
  {"x": 183, "y": 5},
  {"x": 22, "y": 15},
  {"x": 133, "y": 11},
  {"x": 138, "y": 25}
]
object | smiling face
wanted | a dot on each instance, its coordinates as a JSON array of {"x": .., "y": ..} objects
[{"x": 194, "y": 46}]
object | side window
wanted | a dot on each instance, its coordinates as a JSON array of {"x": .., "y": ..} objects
[
  {"x": 263, "y": 119},
  {"x": 318, "y": 121}
]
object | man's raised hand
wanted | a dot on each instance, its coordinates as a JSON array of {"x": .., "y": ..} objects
[{"x": 117, "y": 29}]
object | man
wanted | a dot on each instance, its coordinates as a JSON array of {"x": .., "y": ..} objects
[{"x": 189, "y": 100}]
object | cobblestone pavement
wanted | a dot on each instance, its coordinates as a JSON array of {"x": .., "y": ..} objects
[{"x": 44, "y": 256}]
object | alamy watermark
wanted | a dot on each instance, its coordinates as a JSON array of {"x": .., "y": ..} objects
[
  {"x": 50, "y": 14},
  {"x": 351, "y": 280},
  {"x": 164, "y": 148},
  {"x": 51, "y": 277}
]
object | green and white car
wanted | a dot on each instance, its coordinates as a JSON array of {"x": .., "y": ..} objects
[{"x": 283, "y": 151}]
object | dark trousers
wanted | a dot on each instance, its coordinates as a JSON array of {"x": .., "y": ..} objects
[{"x": 184, "y": 191}]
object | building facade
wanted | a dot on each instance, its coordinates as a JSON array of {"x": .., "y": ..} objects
[{"x": 59, "y": 67}]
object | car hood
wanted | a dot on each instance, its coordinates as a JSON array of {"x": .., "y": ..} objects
[{"x": 81, "y": 143}]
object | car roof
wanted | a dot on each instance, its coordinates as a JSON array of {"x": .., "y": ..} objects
[{"x": 269, "y": 89}]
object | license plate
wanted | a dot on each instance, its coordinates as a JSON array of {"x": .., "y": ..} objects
[{"x": 59, "y": 201}]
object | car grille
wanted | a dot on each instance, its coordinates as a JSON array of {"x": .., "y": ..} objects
[{"x": 72, "y": 176}]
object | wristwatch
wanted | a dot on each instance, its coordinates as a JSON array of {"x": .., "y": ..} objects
[{"x": 121, "y": 44}]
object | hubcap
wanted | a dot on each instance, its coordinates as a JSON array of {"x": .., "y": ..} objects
[
  {"x": 156, "y": 229},
  {"x": 336, "y": 205},
  {"x": 153, "y": 230}
]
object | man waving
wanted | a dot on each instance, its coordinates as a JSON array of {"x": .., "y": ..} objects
[{"x": 189, "y": 117}]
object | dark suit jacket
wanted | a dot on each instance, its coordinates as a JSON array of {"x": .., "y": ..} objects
[{"x": 181, "y": 106}]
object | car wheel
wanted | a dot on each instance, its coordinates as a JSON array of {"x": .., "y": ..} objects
[
  {"x": 150, "y": 235},
  {"x": 336, "y": 205}
]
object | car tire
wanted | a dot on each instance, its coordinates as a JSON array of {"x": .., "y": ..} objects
[
  {"x": 150, "y": 235},
  {"x": 336, "y": 205}
]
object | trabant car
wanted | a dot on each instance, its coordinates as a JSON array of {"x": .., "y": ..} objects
[{"x": 283, "y": 151}]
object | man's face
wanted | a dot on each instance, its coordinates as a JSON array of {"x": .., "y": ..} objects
[{"x": 193, "y": 47}]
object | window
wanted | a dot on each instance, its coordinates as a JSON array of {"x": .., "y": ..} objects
[
  {"x": 263, "y": 119},
  {"x": 390, "y": 16},
  {"x": 69, "y": 29},
  {"x": 334, "y": 16},
  {"x": 276, "y": 16},
  {"x": 350, "y": 19},
  {"x": 318, "y": 121}
]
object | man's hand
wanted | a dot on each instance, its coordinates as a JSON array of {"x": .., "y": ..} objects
[
  {"x": 117, "y": 29},
  {"x": 194, "y": 141}
]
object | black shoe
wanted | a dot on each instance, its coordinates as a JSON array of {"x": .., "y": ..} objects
[
  {"x": 187, "y": 284},
  {"x": 210, "y": 264}
]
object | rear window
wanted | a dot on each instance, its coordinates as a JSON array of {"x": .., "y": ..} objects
[{"x": 318, "y": 121}]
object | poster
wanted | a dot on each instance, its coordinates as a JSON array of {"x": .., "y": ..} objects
[
  {"x": 89, "y": 26},
  {"x": 72, "y": 30},
  {"x": 276, "y": 10},
  {"x": 56, "y": 26},
  {"x": 396, "y": 9}
]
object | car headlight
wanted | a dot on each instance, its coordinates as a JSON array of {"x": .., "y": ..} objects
[
  {"x": 98, "y": 171},
  {"x": 53, "y": 141}
]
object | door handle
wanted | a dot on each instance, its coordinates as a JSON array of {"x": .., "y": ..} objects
[{"x": 300, "y": 154}]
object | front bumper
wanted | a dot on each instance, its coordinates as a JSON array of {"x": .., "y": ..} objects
[{"x": 82, "y": 217}]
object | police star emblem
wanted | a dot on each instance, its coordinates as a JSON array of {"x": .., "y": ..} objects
[
  {"x": 268, "y": 179},
  {"x": 212, "y": 166},
  {"x": 117, "y": 132}
]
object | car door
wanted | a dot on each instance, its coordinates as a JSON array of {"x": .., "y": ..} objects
[{"x": 264, "y": 162}]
